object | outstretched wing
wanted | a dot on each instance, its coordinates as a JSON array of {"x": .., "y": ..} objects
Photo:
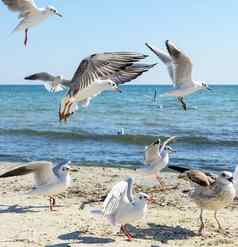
[
  {"x": 52, "y": 83},
  {"x": 166, "y": 59},
  {"x": 183, "y": 64},
  {"x": 42, "y": 171},
  {"x": 166, "y": 142},
  {"x": 24, "y": 7},
  {"x": 104, "y": 66},
  {"x": 115, "y": 196}
]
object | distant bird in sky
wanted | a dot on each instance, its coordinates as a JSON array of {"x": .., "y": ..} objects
[
  {"x": 29, "y": 14},
  {"x": 49, "y": 180},
  {"x": 121, "y": 208},
  {"x": 157, "y": 157},
  {"x": 95, "y": 74},
  {"x": 210, "y": 191},
  {"x": 179, "y": 67}
]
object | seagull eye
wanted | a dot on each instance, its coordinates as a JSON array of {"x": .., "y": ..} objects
[{"x": 140, "y": 197}]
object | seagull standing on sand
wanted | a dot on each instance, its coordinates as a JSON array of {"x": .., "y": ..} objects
[
  {"x": 121, "y": 208},
  {"x": 29, "y": 14},
  {"x": 49, "y": 180},
  {"x": 95, "y": 74},
  {"x": 209, "y": 192},
  {"x": 179, "y": 67},
  {"x": 157, "y": 157}
]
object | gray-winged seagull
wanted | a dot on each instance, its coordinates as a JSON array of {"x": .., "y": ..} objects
[
  {"x": 121, "y": 208},
  {"x": 29, "y": 14},
  {"x": 49, "y": 180},
  {"x": 179, "y": 67},
  {"x": 209, "y": 192},
  {"x": 95, "y": 74}
]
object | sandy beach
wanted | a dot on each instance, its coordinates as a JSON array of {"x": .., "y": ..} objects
[{"x": 171, "y": 221}]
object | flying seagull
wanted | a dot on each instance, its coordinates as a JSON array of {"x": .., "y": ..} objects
[
  {"x": 210, "y": 191},
  {"x": 179, "y": 67},
  {"x": 49, "y": 180},
  {"x": 95, "y": 74},
  {"x": 157, "y": 157},
  {"x": 29, "y": 14},
  {"x": 121, "y": 208}
]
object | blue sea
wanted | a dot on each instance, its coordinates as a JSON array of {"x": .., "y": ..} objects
[{"x": 206, "y": 134}]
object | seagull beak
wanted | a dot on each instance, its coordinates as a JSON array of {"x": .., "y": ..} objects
[
  {"x": 231, "y": 179},
  {"x": 57, "y": 13},
  {"x": 73, "y": 169}
]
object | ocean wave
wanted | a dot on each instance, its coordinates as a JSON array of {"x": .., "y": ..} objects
[{"x": 127, "y": 138}]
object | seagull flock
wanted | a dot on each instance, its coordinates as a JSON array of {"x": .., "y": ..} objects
[{"x": 106, "y": 72}]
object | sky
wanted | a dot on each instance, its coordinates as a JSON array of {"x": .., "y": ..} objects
[{"x": 206, "y": 29}]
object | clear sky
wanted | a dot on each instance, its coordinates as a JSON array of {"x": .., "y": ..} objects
[{"x": 206, "y": 29}]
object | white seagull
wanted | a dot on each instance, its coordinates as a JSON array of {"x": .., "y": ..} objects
[
  {"x": 49, "y": 180},
  {"x": 95, "y": 74},
  {"x": 29, "y": 14},
  {"x": 179, "y": 66},
  {"x": 121, "y": 208},
  {"x": 157, "y": 157},
  {"x": 209, "y": 192}
]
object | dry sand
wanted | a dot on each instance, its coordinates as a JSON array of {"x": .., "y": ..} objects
[{"x": 173, "y": 221}]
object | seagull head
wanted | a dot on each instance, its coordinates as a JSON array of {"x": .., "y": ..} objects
[
  {"x": 144, "y": 198},
  {"x": 225, "y": 177},
  {"x": 52, "y": 11},
  {"x": 205, "y": 86},
  {"x": 67, "y": 168},
  {"x": 111, "y": 86}
]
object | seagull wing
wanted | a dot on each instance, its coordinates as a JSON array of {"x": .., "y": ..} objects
[
  {"x": 42, "y": 170},
  {"x": 166, "y": 142},
  {"x": 183, "y": 64},
  {"x": 165, "y": 58},
  {"x": 42, "y": 76},
  {"x": 24, "y": 7},
  {"x": 152, "y": 152},
  {"x": 130, "y": 72},
  {"x": 114, "y": 198},
  {"x": 104, "y": 66},
  {"x": 53, "y": 83},
  {"x": 235, "y": 177},
  {"x": 200, "y": 178}
]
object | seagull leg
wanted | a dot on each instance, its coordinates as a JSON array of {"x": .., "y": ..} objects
[
  {"x": 220, "y": 229},
  {"x": 181, "y": 100},
  {"x": 161, "y": 182},
  {"x": 26, "y": 37},
  {"x": 50, "y": 204},
  {"x": 201, "y": 230},
  {"x": 53, "y": 201},
  {"x": 125, "y": 231}
]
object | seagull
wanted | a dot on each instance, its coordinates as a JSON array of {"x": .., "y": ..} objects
[
  {"x": 211, "y": 192},
  {"x": 48, "y": 179},
  {"x": 156, "y": 157},
  {"x": 121, "y": 208},
  {"x": 179, "y": 67},
  {"x": 95, "y": 74},
  {"x": 29, "y": 14}
]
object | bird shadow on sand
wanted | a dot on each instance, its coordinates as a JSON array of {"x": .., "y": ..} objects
[
  {"x": 17, "y": 209},
  {"x": 162, "y": 233},
  {"x": 77, "y": 238}
]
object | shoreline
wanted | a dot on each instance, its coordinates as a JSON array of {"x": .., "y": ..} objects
[{"x": 172, "y": 221}]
